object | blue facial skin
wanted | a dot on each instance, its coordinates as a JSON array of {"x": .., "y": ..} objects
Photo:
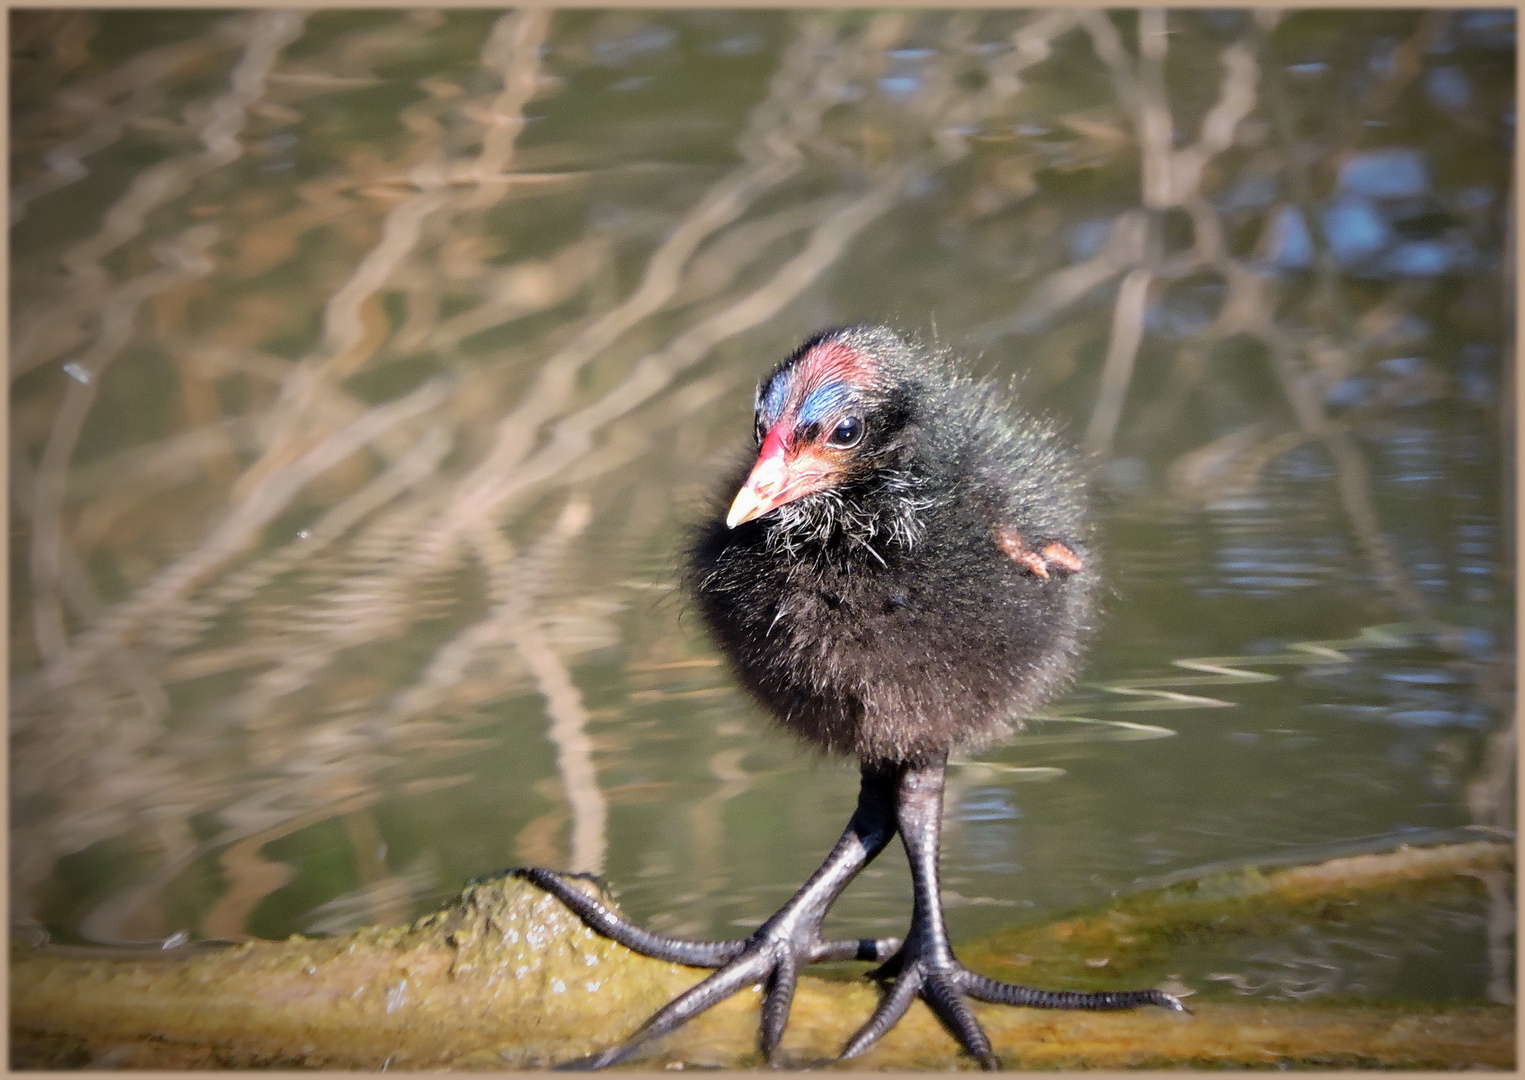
[
  {"x": 772, "y": 403},
  {"x": 825, "y": 402},
  {"x": 822, "y": 404}
]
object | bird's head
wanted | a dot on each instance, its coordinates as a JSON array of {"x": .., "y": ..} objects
[{"x": 829, "y": 415}]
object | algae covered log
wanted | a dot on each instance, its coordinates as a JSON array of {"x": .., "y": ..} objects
[
  {"x": 1150, "y": 934},
  {"x": 505, "y": 977}
]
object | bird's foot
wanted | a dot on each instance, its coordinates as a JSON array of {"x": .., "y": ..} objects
[
  {"x": 943, "y": 983},
  {"x": 772, "y": 956}
]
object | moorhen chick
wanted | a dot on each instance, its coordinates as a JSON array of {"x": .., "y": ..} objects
[{"x": 903, "y": 570}]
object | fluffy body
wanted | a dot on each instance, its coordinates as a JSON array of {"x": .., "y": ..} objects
[{"x": 886, "y": 617}]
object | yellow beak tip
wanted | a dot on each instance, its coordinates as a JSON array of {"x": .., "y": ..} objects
[{"x": 741, "y": 511}]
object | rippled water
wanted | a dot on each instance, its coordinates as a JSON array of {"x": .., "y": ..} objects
[{"x": 368, "y": 367}]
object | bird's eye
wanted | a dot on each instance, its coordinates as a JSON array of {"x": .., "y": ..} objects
[{"x": 847, "y": 433}]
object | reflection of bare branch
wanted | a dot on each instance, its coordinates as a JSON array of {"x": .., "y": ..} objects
[
  {"x": 574, "y": 749},
  {"x": 472, "y": 505},
  {"x": 354, "y": 327},
  {"x": 111, "y": 487},
  {"x": 1236, "y": 100},
  {"x": 1170, "y": 178},
  {"x": 1501, "y": 934},
  {"x": 1031, "y": 44},
  {"x": 135, "y": 87},
  {"x": 268, "y": 33},
  {"x": 1152, "y": 120},
  {"x": 1353, "y": 482},
  {"x": 513, "y": 50},
  {"x": 656, "y": 371},
  {"x": 238, "y": 530},
  {"x": 706, "y": 818},
  {"x": 1229, "y": 465},
  {"x": 1117, "y": 369},
  {"x": 219, "y": 138},
  {"x": 252, "y": 877},
  {"x": 1492, "y": 799},
  {"x": 1173, "y": 178},
  {"x": 412, "y": 468},
  {"x": 1123, "y": 249},
  {"x": 1248, "y": 308},
  {"x": 1108, "y": 44},
  {"x": 717, "y": 266},
  {"x": 187, "y": 261},
  {"x": 770, "y": 146},
  {"x": 512, "y": 292}
]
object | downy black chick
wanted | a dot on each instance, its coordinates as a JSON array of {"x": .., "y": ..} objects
[{"x": 903, "y": 570}]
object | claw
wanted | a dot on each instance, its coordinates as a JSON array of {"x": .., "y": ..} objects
[{"x": 592, "y": 1062}]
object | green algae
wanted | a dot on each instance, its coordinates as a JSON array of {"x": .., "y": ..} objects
[
  {"x": 506, "y": 977},
  {"x": 1143, "y": 939}
]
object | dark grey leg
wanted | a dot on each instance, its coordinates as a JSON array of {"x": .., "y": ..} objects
[
  {"x": 773, "y": 955},
  {"x": 925, "y": 965}
]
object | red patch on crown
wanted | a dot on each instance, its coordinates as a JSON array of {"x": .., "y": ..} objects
[{"x": 832, "y": 361}]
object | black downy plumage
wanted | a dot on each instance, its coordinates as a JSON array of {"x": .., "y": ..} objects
[
  {"x": 886, "y": 617},
  {"x": 904, "y": 569}
]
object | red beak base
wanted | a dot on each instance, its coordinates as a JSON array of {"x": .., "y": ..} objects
[{"x": 778, "y": 477}]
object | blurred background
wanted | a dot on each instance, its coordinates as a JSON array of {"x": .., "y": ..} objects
[{"x": 367, "y": 368}]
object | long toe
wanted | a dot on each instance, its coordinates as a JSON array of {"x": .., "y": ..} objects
[
  {"x": 943, "y": 995},
  {"x": 777, "y": 1003},
  {"x": 615, "y": 926},
  {"x": 1002, "y": 993},
  {"x": 888, "y": 1014}
]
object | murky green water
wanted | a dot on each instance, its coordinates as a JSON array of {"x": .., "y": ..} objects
[{"x": 367, "y": 368}]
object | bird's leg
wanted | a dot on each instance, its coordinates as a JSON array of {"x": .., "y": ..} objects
[
  {"x": 925, "y": 965},
  {"x": 773, "y": 955}
]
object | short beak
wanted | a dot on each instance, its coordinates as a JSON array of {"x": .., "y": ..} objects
[{"x": 773, "y": 481}]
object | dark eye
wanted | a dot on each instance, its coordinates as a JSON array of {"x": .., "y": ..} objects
[{"x": 847, "y": 433}]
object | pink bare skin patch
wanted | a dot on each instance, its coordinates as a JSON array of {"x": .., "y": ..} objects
[
  {"x": 829, "y": 364},
  {"x": 1056, "y": 554},
  {"x": 835, "y": 362},
  {"x": 1053, "y": 556}
]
